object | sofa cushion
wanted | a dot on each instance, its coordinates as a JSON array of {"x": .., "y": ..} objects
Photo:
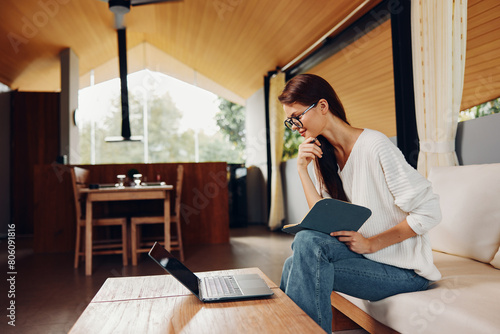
[
  {"x": 463, "y": 301},
  {"x": 496, "y": 260},
  {"x": 471, "y": 215}
]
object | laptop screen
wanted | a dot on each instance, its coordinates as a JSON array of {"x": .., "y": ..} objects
[{"x": 175, "y": 268}]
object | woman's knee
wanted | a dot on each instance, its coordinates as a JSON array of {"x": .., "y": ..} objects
[
  {"x": 303, "y": 239},
  {"x": 312, "y": 243},
  {"x": 308, "y": 240}
]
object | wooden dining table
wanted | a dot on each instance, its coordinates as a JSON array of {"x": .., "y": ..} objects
[{"x": 106, "y": 193}]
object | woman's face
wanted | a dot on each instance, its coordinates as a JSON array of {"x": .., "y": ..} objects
[{"x": 312, "y": 122}]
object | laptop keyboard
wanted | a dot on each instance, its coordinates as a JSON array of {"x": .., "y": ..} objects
[{"x": 221, "y": 286}]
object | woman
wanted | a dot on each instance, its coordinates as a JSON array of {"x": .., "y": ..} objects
[{"x": 391, "y": 252}]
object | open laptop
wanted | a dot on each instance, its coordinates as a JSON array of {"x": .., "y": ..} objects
[{"x": 213, "y": 288}]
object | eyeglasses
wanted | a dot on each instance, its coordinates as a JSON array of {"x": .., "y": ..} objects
[{"x": 295, "y": 121}]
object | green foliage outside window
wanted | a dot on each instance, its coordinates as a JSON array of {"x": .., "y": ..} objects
[
  {"x": 484, "y": 109},
  {"x": 231, "y": 121},
  {"x": 291, "y": 145}
]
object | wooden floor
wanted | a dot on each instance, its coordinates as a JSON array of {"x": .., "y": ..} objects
[{"x": 51, "y": 295}]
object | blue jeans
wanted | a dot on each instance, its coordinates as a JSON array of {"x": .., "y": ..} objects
[{"x": 321, "y": 264}]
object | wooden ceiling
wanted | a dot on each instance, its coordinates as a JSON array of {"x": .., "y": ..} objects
[{"x": 231, "y": 42}]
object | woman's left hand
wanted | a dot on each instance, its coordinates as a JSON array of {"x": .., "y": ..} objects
[{"x": 354, "y": 240}]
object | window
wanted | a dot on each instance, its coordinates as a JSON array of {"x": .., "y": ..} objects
[
  {"x": 176, "y": 122},
  {"x": 4, "y": 88}
]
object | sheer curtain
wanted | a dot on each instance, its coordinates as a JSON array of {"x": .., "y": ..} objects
[
  {"x": 277, "y": 129},
  {"x": 439, "y": 29}
]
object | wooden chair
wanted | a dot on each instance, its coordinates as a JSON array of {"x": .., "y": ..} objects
[
  {"x": 79, "y": 177},
  {"x": 143, "y": 246}
]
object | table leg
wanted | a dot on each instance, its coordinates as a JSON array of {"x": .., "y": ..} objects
[
  {"x": 88, "y": 237},
  {"x": 166, "y": 217}
]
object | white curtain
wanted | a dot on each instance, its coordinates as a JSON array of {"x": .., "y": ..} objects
[
  {"x": 277, "y": 132},
  {"x": 439, "y": 29}
]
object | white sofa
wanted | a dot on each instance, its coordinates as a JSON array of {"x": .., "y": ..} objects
[{"x": 466, "y": 251}]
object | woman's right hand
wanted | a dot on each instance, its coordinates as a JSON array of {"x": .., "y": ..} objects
[{"x": 308, "y": 151}]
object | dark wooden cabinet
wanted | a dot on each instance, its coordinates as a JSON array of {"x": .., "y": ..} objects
[{"x": 34, "y": 141}]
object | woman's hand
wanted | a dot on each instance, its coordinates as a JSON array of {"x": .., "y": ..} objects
[
  {"x": 355, "y": 241},
  {"x": 308, "y": 151},
  {"x": 361, "y": 245}
]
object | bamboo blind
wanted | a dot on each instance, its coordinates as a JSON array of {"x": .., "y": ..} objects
[
  {"x": 482, "y": 62},
  {"x": 362, "y": 76}
]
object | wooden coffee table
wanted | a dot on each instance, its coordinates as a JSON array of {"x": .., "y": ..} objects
[{"x": 160, "y": 304}]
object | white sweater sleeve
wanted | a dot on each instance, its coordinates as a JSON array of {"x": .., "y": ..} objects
[{"x": 411, "y": 191}]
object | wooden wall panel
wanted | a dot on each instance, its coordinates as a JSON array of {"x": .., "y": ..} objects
[
  {"x": 205, "y": 212},
  {"x": 34, "y": 140},
  {"x": 362, "y": 76},
  {"x": 482, "y": 62}
]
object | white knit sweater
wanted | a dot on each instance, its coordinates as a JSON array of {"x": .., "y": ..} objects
[{"x": 377, "y": 176}]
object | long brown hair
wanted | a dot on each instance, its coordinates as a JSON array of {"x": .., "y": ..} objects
[{"x": 307, "y": 89}]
